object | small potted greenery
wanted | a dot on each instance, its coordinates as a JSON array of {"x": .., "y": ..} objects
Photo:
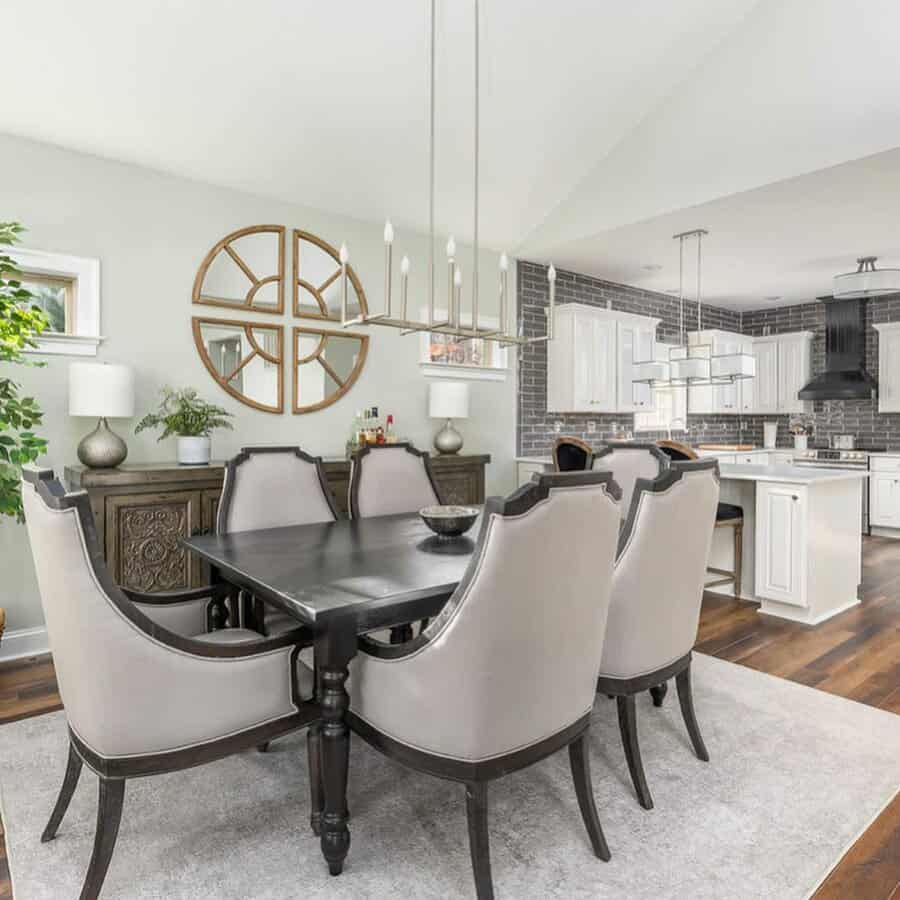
[
  {"x": 800, "y": 431},
  {"x": 184, "y": 414}
]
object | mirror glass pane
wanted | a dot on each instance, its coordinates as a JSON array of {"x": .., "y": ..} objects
[
  {"x": 331, "y": 366},
  {"x": 317, "y": 267},
  {"x": 231, "y": 280},
  {"x": 237, "y": 363}
]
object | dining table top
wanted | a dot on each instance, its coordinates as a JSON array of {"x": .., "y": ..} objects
[{"x": 376, "y": 569}]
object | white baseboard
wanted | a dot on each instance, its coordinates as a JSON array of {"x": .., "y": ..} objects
[{"x": 23, "y": 642}]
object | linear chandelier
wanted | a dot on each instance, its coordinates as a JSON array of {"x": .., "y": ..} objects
[
  {"x": 506, "y": 332},
  {"x": 689, "y": 364}
]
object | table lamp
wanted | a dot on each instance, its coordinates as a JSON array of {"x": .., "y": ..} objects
[
  {"x": 102, "y": 390},
  {"x": 448, "y": 400}
]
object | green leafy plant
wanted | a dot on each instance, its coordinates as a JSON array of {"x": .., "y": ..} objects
[
  {"x": 20, "y": 322},
  {"x": 185, "y": 414}
]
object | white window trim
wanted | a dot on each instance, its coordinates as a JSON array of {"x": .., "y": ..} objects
[
  {"x": 461, "y": 372},
  {"x": 85, "y": 272}
]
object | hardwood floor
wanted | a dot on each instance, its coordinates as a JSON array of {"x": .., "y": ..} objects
[{"x": 855, "y": 655}]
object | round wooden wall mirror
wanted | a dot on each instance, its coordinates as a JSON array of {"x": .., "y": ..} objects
[{"x": 244, "y": 273}]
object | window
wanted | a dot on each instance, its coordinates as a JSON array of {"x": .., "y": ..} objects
[
  {"x": 448, "y": 356},
  {"x": 68, "y": 290},
  {"x": 55, "y": 296}
]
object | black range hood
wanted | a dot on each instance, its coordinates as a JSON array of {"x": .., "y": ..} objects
[{"x": 845, "y": 376}]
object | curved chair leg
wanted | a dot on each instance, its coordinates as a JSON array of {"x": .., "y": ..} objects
[
  {"x": 479, "y": 840},
  {"x": 109, "y": 814},
  {"x": 70, "y": 781},
  {"x": 658, "y": 693},
  {"x": 628, "y": 729},
  {"x": 581, "y": 775},
  {"x": 263, "y": 747},
  {"x": 316, "y": 794},
  {"x": 686, "y": 699}
]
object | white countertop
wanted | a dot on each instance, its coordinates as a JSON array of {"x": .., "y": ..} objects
[
  {"x": 788, "y": 474},
  {"x": 536, "y": 460}
]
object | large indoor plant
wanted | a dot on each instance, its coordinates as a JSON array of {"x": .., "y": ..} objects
[
  {"x": 183, "y": 413},
  {"x": 20, "y": 322}
]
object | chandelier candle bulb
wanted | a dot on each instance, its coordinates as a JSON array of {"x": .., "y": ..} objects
[
  {"x": 504, "y": 269},
  {"x": 457, "y": 291},
  {"x": 551, "y": 278},
  {"x": 388, "y": 260},
  {"x": 404, "y": 285},
  {"x": 343, "y": 256}
]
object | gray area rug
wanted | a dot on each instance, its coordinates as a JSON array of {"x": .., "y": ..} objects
[{"x": 795, "y": 776}]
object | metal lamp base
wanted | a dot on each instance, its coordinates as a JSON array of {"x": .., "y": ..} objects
[
  {"x": 102, "y": 448},
  {"x": 448, "y": 440}
]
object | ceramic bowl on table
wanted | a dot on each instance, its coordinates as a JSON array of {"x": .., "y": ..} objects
[{"x": 449, "y": 521}]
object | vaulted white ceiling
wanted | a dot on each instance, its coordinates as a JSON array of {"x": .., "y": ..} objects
[{"x": 597, "y": 115}]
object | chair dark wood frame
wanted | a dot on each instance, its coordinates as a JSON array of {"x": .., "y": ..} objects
[
  {"x": 578, "y": 444},
  {"x": 626, "y": 689},
  {"x": 477, "y": 775},
  {"x": 402, "y": 633},
  {"x": 113, "y": 772}
]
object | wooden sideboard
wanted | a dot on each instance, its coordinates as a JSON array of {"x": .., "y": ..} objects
[{"x": 142, "y": 511}]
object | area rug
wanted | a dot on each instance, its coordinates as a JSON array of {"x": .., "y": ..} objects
[{"x": 796, "y": 775}]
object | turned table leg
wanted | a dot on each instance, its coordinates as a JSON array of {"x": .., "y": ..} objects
[{"x": 334, "y": 650}]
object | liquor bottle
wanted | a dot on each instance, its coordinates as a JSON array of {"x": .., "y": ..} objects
[{"x": 389, "y": 436}]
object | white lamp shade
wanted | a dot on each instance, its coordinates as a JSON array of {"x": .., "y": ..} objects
[
  {"x": 448, "y": 400},
  {"x": 101, "y": 389}
]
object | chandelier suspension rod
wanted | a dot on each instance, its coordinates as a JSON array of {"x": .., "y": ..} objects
[
  {"x": 475, "y": 212},
  {"x": 431, "y": 175}
]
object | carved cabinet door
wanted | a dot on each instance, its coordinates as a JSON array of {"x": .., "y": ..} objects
[
  {"x": 460, "y": 486},
  {"x": 142, "y": 539}
]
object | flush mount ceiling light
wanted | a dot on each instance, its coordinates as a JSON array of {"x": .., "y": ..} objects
[
  {"x": 453, "y": 324},
  {"x": 866, "y": 281},
  {"x": 693, "y": 364}
]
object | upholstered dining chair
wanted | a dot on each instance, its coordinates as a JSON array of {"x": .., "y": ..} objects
[
  {"x": 141, "y": 697},
  {"x": 656, "y": 595},
  {"x": 273, "y": 487},
  {"x": 387, "y": 479},
  {"x": 628, "y": 461},
  {"x": 505, "y": 675},
  {"x": 571, "y": 454}
]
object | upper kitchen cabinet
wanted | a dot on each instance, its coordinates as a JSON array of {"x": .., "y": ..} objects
[
  {"x": 764, "y": 391},
  {"x": 888, "y": 367},
  {"x": 794, "y": 370},
  {"x": 590, "y": 361},
  {"x": 713, "y": 399}
]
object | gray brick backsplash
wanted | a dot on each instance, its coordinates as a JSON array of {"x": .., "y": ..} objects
[{"x": 536, "y": 434}]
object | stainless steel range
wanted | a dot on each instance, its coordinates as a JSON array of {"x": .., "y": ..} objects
[{"x": 823, "y": 458}]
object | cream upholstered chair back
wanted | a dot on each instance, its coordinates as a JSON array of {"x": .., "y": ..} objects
[
  {"x": 388, "y": 479},
  {"x": 512, "y": 657},
  {"x": 628, "y": 461},
  {"x": 274, "y": 487},
  {"x": 659, "y": 574},
  {"x": 129, "y": 685}
]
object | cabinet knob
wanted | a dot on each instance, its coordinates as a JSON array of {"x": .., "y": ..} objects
[{"x": 794, "y": 497}]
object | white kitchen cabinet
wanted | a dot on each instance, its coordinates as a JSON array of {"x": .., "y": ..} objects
[
  {"x": 794, "y": 371},
  {"x": 713, "y": 399},
  {"x": 781, "y": 542},
  {"x": 765, "y": 387},
  {"x": 888, "y": 367},
  {"x": 747, "y": 386},
  {"x": 668, "y": 409},
  {"x": 636, "y": 343},
  {"x": 884, "y": 499},
  {"x": 590, "y": 361}
]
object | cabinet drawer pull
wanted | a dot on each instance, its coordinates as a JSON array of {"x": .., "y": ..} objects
[{"x": 794, "y": 497}]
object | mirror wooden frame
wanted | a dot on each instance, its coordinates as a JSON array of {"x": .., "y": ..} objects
[
  {"x": 197, "y": 324},
  {"x": 297, "y": 361},
  {"x": 316, "y": 291},
  {"x": 255, "y": 283}
]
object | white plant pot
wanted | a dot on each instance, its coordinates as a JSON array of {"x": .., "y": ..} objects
[
  {"x": 193, "y": 451},
  {"x": 800, "y": 441}
]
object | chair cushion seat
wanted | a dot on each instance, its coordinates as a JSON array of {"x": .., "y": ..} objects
[{"x": 728, "y": 511}]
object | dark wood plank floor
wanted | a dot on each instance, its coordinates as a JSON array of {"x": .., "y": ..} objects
[{"x": 855, "y": 655}]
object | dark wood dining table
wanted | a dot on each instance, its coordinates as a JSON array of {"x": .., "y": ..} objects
[{"x": 341, "y": 579}]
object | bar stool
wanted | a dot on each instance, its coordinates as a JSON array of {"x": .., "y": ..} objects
[
  {"x": 728, "y": 515},
  {"x": 571, "y": 454}
]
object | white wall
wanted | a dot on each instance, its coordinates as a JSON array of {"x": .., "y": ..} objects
[{"x": 150, "y": 232}]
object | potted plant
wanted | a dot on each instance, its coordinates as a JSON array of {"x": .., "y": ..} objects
[
  {"x": 800, "y": 431},
  {"x": 189, "y": 417}
]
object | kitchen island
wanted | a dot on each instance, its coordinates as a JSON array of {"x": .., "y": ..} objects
[{"x": 802, "y": 547}]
